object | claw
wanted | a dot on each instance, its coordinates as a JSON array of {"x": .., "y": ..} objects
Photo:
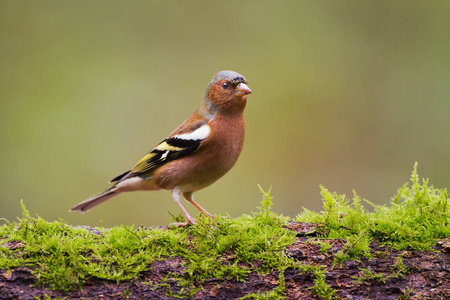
[{"x": 188, "y": 222}]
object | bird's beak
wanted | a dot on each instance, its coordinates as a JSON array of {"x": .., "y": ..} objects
[{"x": 242, "y": 89}]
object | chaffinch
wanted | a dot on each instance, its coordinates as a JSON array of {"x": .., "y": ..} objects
[{"x": 196, "y": 154}]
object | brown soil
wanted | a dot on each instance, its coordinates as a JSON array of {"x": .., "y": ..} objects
[{"x": 425, "y": 275}]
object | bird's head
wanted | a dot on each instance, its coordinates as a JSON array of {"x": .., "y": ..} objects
[{"x": 228, "y": 92}]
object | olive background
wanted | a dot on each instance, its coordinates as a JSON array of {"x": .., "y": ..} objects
[{"x": 348, "y": 94}]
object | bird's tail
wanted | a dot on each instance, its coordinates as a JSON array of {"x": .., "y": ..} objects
[{"x": 90, "y": 203}]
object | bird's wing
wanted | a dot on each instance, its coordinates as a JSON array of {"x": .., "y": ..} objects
[
  {"x": 168, "y": 150},
  {"x": 174, "y": 147}
]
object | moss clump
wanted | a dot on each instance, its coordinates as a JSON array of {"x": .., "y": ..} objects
[
  {"x": 258, "y": 237},
  {"x": 321, "y": 288},
  {"x": 416, "y": 218},
  {"x": 64, "y": 256}
]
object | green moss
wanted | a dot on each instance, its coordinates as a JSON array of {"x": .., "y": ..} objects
[
  {"x": 324, "y": 245},
  {"x": 321, "y": 288},
  {"x": 398, "y": 270},
  {"x": 417, "y": 216},
  {"x": 368, "y": 275},
  {"x": 64, "y": 257}
]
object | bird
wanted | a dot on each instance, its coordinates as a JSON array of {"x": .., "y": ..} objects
[{"x": 194, "y": 155}]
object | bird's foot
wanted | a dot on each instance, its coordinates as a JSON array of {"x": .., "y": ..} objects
[
  {"x": 188, "y": 222},
  {"x": 209, "y": 215}
]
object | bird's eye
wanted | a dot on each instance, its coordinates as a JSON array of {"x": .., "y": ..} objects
[{"x": 225, "y": 85}]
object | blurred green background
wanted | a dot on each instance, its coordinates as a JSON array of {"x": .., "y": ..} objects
[{"x": 348, "y": 94}]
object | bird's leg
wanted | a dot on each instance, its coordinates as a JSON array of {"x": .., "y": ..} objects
[
  {"x": 176, "y": 197},
  {"x": 190, "y": 198}
]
